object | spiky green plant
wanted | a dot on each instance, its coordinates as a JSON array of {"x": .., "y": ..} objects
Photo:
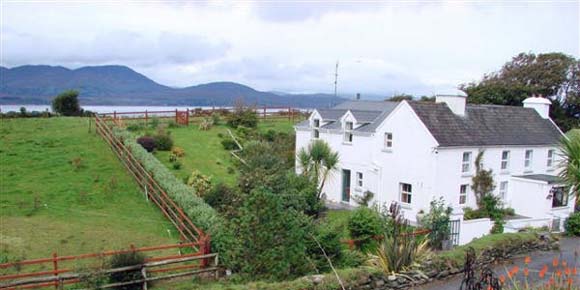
[
  {"x": 318, "y": 161},
  {"x": 399, "y": 250},
  {"x": 570, "y": 163}
]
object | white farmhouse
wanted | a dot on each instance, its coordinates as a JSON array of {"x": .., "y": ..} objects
[{"x": 413, "y": 152}]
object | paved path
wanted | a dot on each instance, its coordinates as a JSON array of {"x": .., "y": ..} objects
[{"x": 569, "y": 251}]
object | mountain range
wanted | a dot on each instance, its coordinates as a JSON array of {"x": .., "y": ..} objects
[{"x": 120, "y": 85}]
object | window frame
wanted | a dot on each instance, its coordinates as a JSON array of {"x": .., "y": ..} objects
[
  {"x": 463, "y": 193},
  {"x": 528, "y": 162},
  {"x": 466, "y": 165},
  {"x": 565, "y": 197},
  {"x": 348, "y": 136},
  {"x": 404, "y": 193},
  {"x": 551, "y": 160},
  {"x": 359, "y": 179},
  {"x": 505, "y": 162},
  {"x": 503, "y": 192},
  {"x": 388, "y": 140}
]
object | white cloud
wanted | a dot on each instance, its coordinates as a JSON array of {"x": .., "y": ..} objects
[{"x": 382, "y": 47}]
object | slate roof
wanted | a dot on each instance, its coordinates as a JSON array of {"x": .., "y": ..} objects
[
  {"x": 550, "y": 179},
  {"x": 486, "y": 125}
]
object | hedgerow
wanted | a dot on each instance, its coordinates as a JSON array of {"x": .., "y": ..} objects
[{"x": 200, "y": 213}]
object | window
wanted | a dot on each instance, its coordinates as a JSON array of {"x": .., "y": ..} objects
[
  {"x": 528, "y": 159},
  {"x": 560, "y": 196},
  {"x": 466, "y": 163},
  {"x": 388, "y": 140},
  {"x": 316, "y": 123},
  {"x": 503, "y": 188},
  {"x": 463, "y": 193},
  {"x": 550, "y": 162},
  {"x": 505, "y": 160},
  {"x": 315, "y": 133},
  {"x": 359, "y": 179},
  {"x": 406, "y": 192},
  {"x": 348, "y": 132}
]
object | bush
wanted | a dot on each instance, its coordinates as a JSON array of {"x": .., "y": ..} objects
[
  {"x": 154, "y": 123},
  {"x": 437, "y": 220},
  {"x": 135, "y": 127},
  {"x": 177, "y": 165},
  {"x": 329, "y": 239},
  {"x": 224, "y": 199},
  {"x": 178, "y": 151},
  {"x": 200, "y": 213},
  {"x": 206, "y": 124},
  {"x": 124, "y": 260},
  {"x": 172, "y": 157},
  {"x": 365, "y": 225},
  {"x": 215, "y": 117},
  {"x": 67, "y": 103},
  {"x": 163, "y": 141},
  {"x": 242, "y": 116},
  {"x": 200, "y": 183},
  {"x": 229, "y": 144},
  {"x": 148, "y": 143},
  {"x": 572, "y": 225}
]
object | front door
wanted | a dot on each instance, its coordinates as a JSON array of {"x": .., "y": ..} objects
[{"x": 346, "y": 185}]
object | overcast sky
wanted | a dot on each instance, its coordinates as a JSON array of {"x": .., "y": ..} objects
[{"x": 419, "y": 47}]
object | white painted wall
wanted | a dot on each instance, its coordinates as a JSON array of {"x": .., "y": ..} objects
[{"x": 473, "y": 229}]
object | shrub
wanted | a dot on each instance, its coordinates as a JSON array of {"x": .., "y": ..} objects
[
  {"x": 437, "y": 220},
  {"x": 177, "y": 165},
  {"x": 365, "y": 225},
  {"x": 399, "y": 251},
  {"x": 329, "y": 240},
  {"x": 364, "y": 199},
  {"x": 172, "y": 157},
  {"x": 242, "y": 116},
  {"x": 229, "y": 144},
  {"x": 124, "y": 260},
  {"x": 148, "y": 143},
  {"x": 225, "y": 199},
  {"x": 200, "y": 183},
  {"x": 67, "y": 103},
  {"x": 215, "y": 118},
  {"x": 135, "y": 127},
  {"x": 206, "y": 124},
  {"x": 178, "y": 151},
  {"x": 572, "y": 224},
  {"x": 163, "y": 140},
  {"x": 154, "y": 123}
]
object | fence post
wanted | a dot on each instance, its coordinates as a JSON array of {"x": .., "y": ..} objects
[
  {"x": 264, "y": 114},
  {"x": 146, "y": 118},
  {"x": 115, "y": 115},
  {"x": 176, "y": 121},
  {"x": 55, "y": 267},
  {"x": 187, "y": 117},
  {"x": 144, "y": 274},
  {"x": 289, "y": 114},
  {"x": 205, "y": 248}
]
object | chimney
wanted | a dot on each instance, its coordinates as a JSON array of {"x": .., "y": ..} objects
[
  {"x": 455, "y": 102},
  {"x": 357, "y": 96},
  {"x": 540, "y": 104}
]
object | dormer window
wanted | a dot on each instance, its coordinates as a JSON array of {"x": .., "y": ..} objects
[
  {"x": 316, "y": 128},
  {"x": 348, "y": 126}
]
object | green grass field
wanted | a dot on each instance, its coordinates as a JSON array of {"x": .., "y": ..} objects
[
  {"x": 63, "y": 190},
  {"x": 204, "y": 152}
]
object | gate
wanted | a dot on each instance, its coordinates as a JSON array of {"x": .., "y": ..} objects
[
  {"x": 182, "y": 117},
  {"x": 454, "y": 229}
]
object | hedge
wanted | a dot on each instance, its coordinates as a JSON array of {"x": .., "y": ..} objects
[{"x": 201, "y": 214}]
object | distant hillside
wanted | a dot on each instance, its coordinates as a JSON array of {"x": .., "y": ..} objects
[{"x": 120, "y": 85}]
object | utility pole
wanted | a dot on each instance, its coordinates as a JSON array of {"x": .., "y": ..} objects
[{"x": 335, "y": 81}]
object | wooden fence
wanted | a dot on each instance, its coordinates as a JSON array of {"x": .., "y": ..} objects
[
  {"x": 14, "y": 275},
  {"x": 187, "y": 116}
]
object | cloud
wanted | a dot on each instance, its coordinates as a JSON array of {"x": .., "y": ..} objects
[{"x": 382, "y": 47}]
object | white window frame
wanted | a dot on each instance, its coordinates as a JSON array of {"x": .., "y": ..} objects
[
  {"x": 359, "y": 179},
  {"x": 503, "y": 190},
  {"x": 528, "y": 160},
  {"x": 388, "y": 140},
  {"x": 505, "y": 160},
  {"x": 348, "y": 136},
  {"x": 463, "y": 192},
  {"x": 551, "y": 159},
  {"x": 404, "y": 192},
  {"x": 466, "y": 164}
]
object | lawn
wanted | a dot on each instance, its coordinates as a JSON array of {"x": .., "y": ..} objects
[
  {"x": 205, "y": 153},
  {"x": 63, "y": 190}
]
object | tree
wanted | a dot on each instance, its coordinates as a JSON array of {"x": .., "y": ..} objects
[
  {"x": 272, "y": 237},
  {"x": 570, "y": 164},
  {"x": 317, "y": 162},
  {"x": 553, "y": 75},
  {"x": 482, "y": 183},
  {"x": 67, "y": 103},
  {"x": 400, "y": 97}
]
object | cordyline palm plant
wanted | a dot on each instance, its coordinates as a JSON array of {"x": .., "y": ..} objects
[
  {"x": 570, "y": 164},
  {"x": 399, "y": 250},
  {"x": 317, "y": 162}
]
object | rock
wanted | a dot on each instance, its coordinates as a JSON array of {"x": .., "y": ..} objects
[
  {"x": 392, "y": 278},
  {"x": 317, "y": 279},
  {"x": 442, "y": 274},
  {"x": 431, "y": 273},
  {"x": 379, "y": 283}
]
